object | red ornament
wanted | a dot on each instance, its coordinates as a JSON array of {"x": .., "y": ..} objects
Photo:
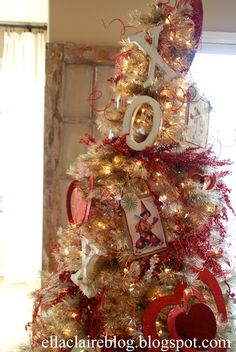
[
  {"x": 81, "y": 206},
  {"x": 154, "y": 308},
  {"x": 199, "y": 323},
  {"x": 208, "y": 181}
]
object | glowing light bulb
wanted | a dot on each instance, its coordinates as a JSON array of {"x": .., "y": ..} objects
[
  {"x": 101, "y": 225},
  {"x": 117, "y": 159},
  {"x": 106, "y": 169},
  {"x": 66, "y": 332},
  {"x": 168, "y": 105},
  {"x": 167, "y": 21}
]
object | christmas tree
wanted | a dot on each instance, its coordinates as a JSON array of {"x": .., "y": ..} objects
[{"x": 140, "y": 262}]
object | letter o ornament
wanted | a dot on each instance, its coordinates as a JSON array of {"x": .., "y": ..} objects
[{"x": 130, "y": 115}]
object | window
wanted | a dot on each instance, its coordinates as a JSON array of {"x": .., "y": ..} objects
[
  {"x": 21, "y": 179},
  {"x": 214, "y": 71}
]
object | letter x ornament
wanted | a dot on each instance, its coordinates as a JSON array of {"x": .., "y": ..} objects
[
  {"x": 151, "y": 50},
  {"x": 84, "y": 276}
]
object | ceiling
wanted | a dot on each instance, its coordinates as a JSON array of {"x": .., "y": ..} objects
[{"x": 33, "y": 11}]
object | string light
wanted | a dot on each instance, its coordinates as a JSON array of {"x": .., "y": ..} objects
[
  {"x": 101, "y": 225},
  {"x": 67, "y": 332},
  {"x": 74, "y": 315},
  {"x": 106, "y": 170}
]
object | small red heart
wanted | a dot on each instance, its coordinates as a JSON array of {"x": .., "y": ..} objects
[
  {"x": 199, "y": 323},
  {"x": 208, "y": 181},
  {"x": 81, "y": 206}
]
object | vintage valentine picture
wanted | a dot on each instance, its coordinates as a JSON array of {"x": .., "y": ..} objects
[{"x": 145, "y": 228}]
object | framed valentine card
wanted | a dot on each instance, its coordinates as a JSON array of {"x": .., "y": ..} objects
[
  {"x": 144, "y": 227},
  {"x": 197, "y": 123}
]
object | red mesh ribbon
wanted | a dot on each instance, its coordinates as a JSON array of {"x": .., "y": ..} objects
[{"x": 197, "y": 18}]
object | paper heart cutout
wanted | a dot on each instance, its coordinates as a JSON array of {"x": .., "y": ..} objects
[
  {"x": 155, "y": 307},
  {"x": 208, "y": 181},
  {"x": 81, "y": 206},
  {"x": 199, "y": 323}
]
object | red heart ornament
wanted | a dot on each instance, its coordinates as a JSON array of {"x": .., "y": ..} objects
[
  {"x": 155, "y": 307},
  {"x": 208, "y": 181},
  {"x": 81, "y": 206},
  {"x": 198, "y": 324}
]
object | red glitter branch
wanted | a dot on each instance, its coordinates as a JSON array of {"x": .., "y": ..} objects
[{"x": 88, "y": 140}]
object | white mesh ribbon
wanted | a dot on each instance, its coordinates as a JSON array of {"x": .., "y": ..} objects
[{"x": 84, "y": 277}]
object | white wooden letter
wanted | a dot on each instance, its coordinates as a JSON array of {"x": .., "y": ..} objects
[
  {"x": 84, "y": 276},
  {"x": 151, "y": 50},
  {"x": 130, "y": 117}
]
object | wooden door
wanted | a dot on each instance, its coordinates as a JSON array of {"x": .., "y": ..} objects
[{"x": 72, "y": 74}]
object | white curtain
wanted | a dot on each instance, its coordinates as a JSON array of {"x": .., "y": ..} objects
[{"x": 21, "y": 152}]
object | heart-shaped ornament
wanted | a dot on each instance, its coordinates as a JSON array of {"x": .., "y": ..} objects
[
  {"x": 81, "y": 206},
  {"x": 208, "y": 181},
  {"x": 155, "y": 307},
  {"x": 198, "y": 324}
]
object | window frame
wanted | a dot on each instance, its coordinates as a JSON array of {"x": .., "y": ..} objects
[{"x": 218, "y": 43}]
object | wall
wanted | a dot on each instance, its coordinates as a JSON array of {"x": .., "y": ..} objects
[
  {"x": 80, "y": 21},
  {"x": 1, "y": 42}
]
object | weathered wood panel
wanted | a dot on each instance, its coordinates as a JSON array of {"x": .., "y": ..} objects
[{"x": 72, "y": 73}]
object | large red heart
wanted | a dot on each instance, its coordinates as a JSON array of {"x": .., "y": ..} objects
[
  {"x": 155, "y": 307},
  {"x": 199, "y": 323}
]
